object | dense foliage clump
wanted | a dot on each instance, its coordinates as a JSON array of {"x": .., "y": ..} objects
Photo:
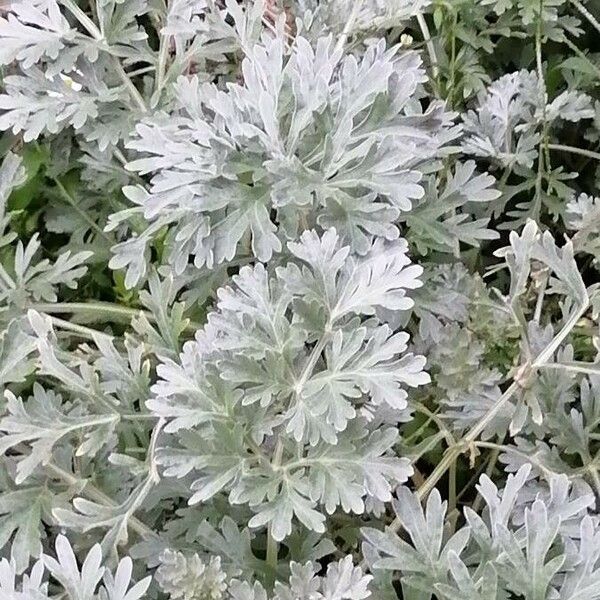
[{"x": 299, "y": 300}]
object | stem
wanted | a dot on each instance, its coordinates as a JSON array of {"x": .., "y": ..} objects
[
  {"x": 542, "y": 92},
  {"x": 105, "y": 308},
  {"x": 93, "y": 30},
  {"x": 593, "y": 471},
  {"x": 138, "y": 417},
  {"x": 80, "y": 330},
  {"x": 582, "y": 55},
  {"x": 587, "y": 14},
  {"x": 527, "y": 457},
  {"x": 272, "y": 545},
  {"x": 347, "y": 27},
  {"x": 118, "y": 312},
  {"x": 311, "y": 362},
  {"x": 83, "y": 19},
  {"x": 452, "y": 488},
  {"x": 163, "y": 54},
  {"x": 575, "y": 150},
  {"x": 429, "y": 45},
  {"x": 96, "y": 495},
  {"x": 592, "y": 368},
  {"x": 431, "y": 416},
  {"x": 452, "y": 82},
  {"x": 540, "y": 299},
  {"x": 67, "y": 196}
]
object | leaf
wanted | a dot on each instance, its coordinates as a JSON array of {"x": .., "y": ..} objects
[
  {"x": 531, "y": 572},
  {"x": 348, "y": 472},
  {"x": 36, "y": 104},
  {"x": 306, "y": 137},
  {"x": 518, "y": 258},
  {"x": 16, "y": 349},
  {"x": 377, "y": 366},
  {"x": 218, "y": 455},
  {"x": 291, "y": 500},
  {"x": 117, "y": 587},
  {"x": 486, "y": 588},
  {"x": 42, "y": 423},
  {"x": 563, "y": 264},
  {"x": 78, "y": 584},
  {"x": 12, "y": 175},
  {"x": 345, "y": 581},
  {"x": 426, "y": 560},
  {"x": 33, "y": 30},
  {"x": 584, "y": 581},
  {"x": 443, "y": 218},
  {"x": 378, "y": 279}
]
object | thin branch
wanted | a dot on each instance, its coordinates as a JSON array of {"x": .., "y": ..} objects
[
  {"x": 575, "y": 150},
  {"x": 93, "y": 493},
  {"x": 80, "y": 330},
  {"x": 93, "y": 30},
  {"x": 587, "y": 14},
  {"x": 67, "y": 196},
  {"x": 347, "y": 27},
  {"x": 429, "y": 45},
  {"x": 163, "y": 54},
  {"x": 117, "y": 312},
  {"x": 582, "y": 55}
]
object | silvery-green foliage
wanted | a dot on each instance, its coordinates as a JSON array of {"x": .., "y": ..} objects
[
  {"x": 42, "y": 422},
  {"x": 91, "y": 581},
  {"x": 189, "y": 577},
  {"x": 32, "y": 31},
  {"x": 505, "y": 125},
  {"x": 258, "y": 303},
  {"x": 426, "y": 562},
  {"x": 299, "y": 137},
  {"x": 442, "y": 219},
  {"x": 582, "y": 216},
  {"x": 23, "y": 274},
  {"x": 342, "y": 581},
  {"x": 368, "y": 14},
  {"x": 288, "y": 346},
  {"x": 503, "y": 552}
]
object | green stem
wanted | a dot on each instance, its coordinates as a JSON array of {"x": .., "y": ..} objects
[
  {"x": 452, "y": 82},
  {"x": 67, "y": 196},
  {"x": 542, "y": 91},
  {"x": 452, "y": 488},
  {"x": 85, "y": 332},
  {"x": 138, "y": 417},
  {"x": 582, "y": 55},
  {"x": 593, "y": 471},
  {"x": 96, "y": 495},
  {"x": 97, "y": 308}
]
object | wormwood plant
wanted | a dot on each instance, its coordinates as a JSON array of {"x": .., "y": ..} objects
[{"x": 299, "y": 300}]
